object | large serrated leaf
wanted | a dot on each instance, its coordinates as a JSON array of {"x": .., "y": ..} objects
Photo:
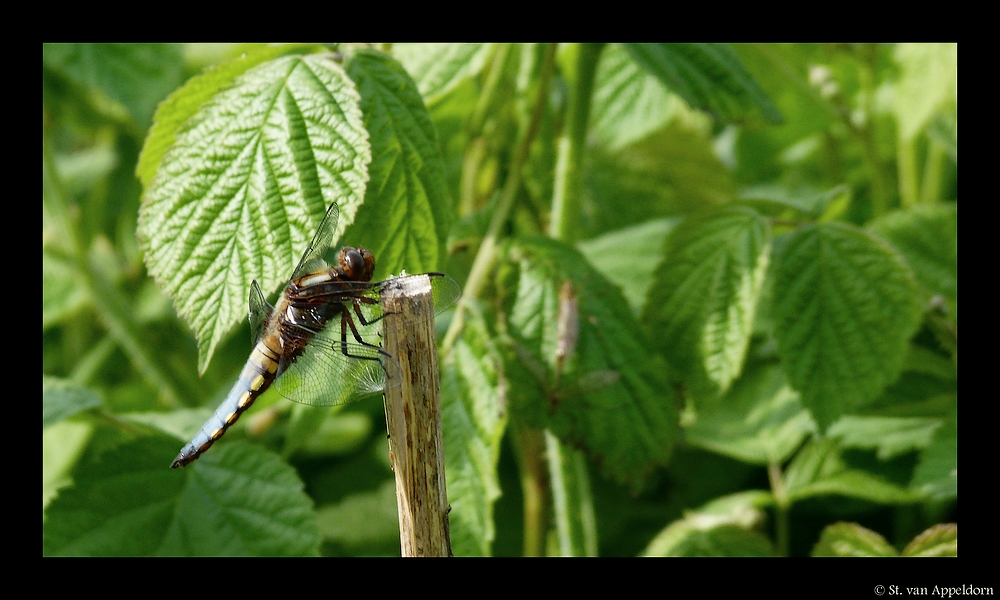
[
  {"x": 574, "y": 332},
  {"x": 845, "y": 307},
  {"x": 709, "y": 77},
  {"x": 246, "y": 184},
  {"x": 236, "y": 501},
  {"x": 407, "y": 214},
  {"x": 185, "y": 102},
  {"x": 474, "y": 419},
  {"x": 704, "y": 296}
]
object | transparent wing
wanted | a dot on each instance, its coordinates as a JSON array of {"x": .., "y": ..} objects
[
  {"x": 259, "y": 311},
  {"x": 444, "y": 289},
  {"x": 313, "y": 255},
  {"x": 331, "y": 372}
]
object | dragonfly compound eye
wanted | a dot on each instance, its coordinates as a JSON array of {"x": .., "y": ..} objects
[{"x": 353, "y": 262}]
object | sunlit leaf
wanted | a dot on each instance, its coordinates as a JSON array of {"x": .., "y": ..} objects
[
  {"x": 936, "y": 474},
  {"x": 928, "y": 83},
  {"x": 439, "y": 67},
  {"x": 889, "y": 436},
  {"x": 724, "y": 527},
  {"x": 243, "y": 189},
  {"x": 475, "y": 417},
  {"x": 851, "y": 539},
  {"x": 759, "y": 421},
  {"x": 939, "y": 540},
  {"x": 629, "y": 102},
  {"x": 628, "y": 257},
  {"x": 704, "y": 295},
  {"x": 184, "y": 103}
]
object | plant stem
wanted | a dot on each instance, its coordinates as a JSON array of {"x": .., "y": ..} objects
[
  {"x": 781, "y": 508},
  {"x": 487, "y": 250},
  {"x": 566, "y": 193}
]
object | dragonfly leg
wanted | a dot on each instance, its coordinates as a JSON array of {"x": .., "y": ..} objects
[
  {"x": 345, "y": 319},
  {"x": 361, "y": 316}
]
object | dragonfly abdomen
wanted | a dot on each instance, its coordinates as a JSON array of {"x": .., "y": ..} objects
[{"x": 256, "y": 376}]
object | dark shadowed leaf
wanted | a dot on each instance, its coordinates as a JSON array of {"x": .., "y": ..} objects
[{"x": 603, "y": 389}]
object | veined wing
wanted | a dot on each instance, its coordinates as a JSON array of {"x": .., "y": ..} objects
[
  {"x": 344, "y": 362},
  {"x": 364, "y": 299},
  {"x": 312, "y": 258},
  {"x": 259, "y": 311},
  {"x": 329, "y": 371}
]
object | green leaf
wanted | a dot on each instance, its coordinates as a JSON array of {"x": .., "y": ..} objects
[
  {"x": 819, "y": 469},
  {"x": 572, "y": 330},
  {"x": 438, "y": 68},
  {"x": 363, "y": 520},
  {"x": 845, "y": 307},
  {"x": 235, "y": 501},
  {"x": 184, "y": 103},
  {"x": 709, "y": 77},
  {"x": 474, "y": 422},
  {"x": 641, "y": 244},
  {"x": 939, "y": 540},
  {"x": 851, "y": 539},
  {"x": 575, "y": 525},
  {"x": 928, "y": 83},
  {"x": 927, "y": 238},
  {"x": 760, "y": 420},
  {"x": 243, "y": 189},
  {"x": 802, "y": 200},
  {"x": 724, "y": 527},
  {"x": 704, "y": 295},
  {"x": 137, "y": 76},
  {"x": 62, "y": 399},
  {"x": 672, "y": 171},
  {"x": 936, "y": 474},
  {"x": 889, "y": 436},
  {"x": 629, "y": 102},
  {"x": 406, "y": 214}
]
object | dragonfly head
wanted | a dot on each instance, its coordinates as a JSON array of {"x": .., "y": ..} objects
[{"x": 355, "y": 264}]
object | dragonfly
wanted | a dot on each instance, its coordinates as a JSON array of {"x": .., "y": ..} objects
[{"x": 296, "y": 343}]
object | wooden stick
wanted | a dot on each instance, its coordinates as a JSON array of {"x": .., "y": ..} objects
[{"x": 413, "y": 415}]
